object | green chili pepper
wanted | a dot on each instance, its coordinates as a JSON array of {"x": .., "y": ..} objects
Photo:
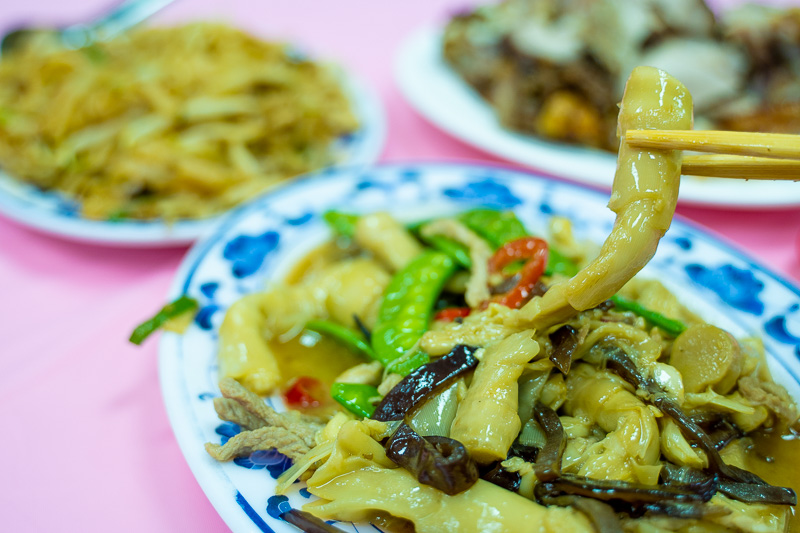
[
  {"x": 182, "y": 305},
  {"x": 348, "y": 337},
  {"x": 342, "y": 224},
  {"x": 457, "y": 251},
  {"x": 355, "y": 397},
  {"x": 500, "y": 227},
  {"x": 407, "y": 365},
  {"x": 497, "y": 227},
  {"x": 407, "y": 304},
  {"x": 669, "y": 325}
]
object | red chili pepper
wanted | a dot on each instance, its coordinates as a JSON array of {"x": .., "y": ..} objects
[
  {"x": 534, "y": 250},
  {"x": 305, "y": 392},
  {"x": 451, "y": 313}
]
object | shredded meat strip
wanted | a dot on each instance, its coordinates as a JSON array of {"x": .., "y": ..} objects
[
  {"x": 771, "y": 395},
  {"x": 233, "y": 411},
  {"x": 291, "y": 433},
  {"x": 305, "y": 427},
  {"x": 266, "y": 438}
]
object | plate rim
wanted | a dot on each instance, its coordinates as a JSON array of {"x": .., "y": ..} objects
[
  {"x": 218, "y": 488},
  {"x": 418, "y": 53}
]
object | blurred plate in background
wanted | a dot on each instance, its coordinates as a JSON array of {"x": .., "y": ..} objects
[
  {"x": 54, "y": 213},
  {"x": 441, "y": 96}
]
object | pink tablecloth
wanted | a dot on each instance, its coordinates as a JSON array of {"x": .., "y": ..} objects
[{"x": 86, "y": 445}]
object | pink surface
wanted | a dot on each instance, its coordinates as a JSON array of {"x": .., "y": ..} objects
[{"x": 86, "y": 443}]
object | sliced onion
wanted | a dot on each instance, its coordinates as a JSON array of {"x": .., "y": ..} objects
[
  {"x": 530, "y": 386},
  {"x": 532, "y": 435},
  {"x": 436, "y": 415}
]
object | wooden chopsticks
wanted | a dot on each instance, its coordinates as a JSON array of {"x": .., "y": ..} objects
[
  {"x": 744, "y": 155},
  {"x": 743, "y": 167}
]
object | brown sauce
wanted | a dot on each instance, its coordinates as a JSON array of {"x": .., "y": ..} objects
[
  {"x": 311, "y": 354},
  {"x": 777, "y": 460}
]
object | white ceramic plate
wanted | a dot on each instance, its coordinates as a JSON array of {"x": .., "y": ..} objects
[
  {"x": 52, "y": 212},
  {"x": 260, "y": 241},
  {"x": 441, "y": 96}
]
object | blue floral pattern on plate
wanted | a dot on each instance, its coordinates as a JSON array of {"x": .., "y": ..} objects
[
  {"x": 247, "y": 252},
  {"x": 737, "y": 287},
  {"x": 714, "y": 279},
  {"x": 485, "y": 192},
  {"x": 273, "y": 461}
]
